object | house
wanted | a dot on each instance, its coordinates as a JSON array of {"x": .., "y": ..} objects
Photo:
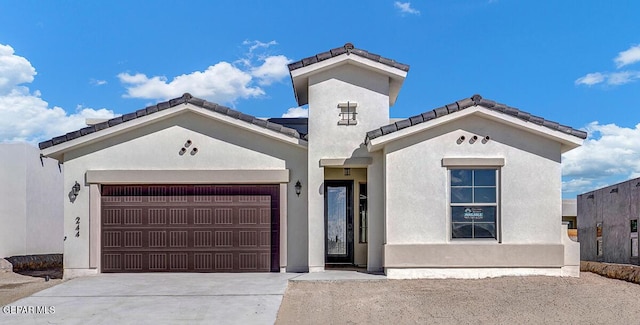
[
  {"x": 570, "y": 217},
  {"x": 608, "y": 223},
  {"x": 30, "y": 219},
  {"x": 470, "y": 189}
]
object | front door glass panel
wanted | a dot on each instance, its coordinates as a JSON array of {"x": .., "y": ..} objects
[{"x": 337, "y": 220}]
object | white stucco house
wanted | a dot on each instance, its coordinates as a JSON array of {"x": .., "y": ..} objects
[{"x": 469, "y": 189}]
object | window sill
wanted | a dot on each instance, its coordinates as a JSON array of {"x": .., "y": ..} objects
[{"x": 488, "y": 241}]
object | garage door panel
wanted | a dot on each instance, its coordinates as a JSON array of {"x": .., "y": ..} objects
[{"x": 190, "y": 228}]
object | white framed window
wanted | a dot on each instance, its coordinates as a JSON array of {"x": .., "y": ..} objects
[{"x": 474, "y": 203}]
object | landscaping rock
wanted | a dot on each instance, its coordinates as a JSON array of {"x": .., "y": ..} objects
[
  {"x": 35, "y": 262},
  {"x": 630, "y": 273}
]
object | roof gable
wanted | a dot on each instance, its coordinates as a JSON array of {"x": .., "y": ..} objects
[
  {"x": 301, "y": 70},
  {"x": 163, "y": 106},
  {"x": 381, "y": 134},
  {"x": 348, "y": 48}
]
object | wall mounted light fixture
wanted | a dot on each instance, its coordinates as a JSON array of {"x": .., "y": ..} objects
[
  {"x": 73, "y": 194},
  {"x": 298, "y": 187}
]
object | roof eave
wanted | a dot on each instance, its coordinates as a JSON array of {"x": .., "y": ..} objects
[
  {"x": 567, "y": 141},
  {"x": 57, "y": 151}
]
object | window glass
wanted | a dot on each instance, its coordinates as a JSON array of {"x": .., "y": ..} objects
[
  {"x": 634, "y": 225},
  {"x": 474, "y": 198},
  {"x": 461, "y": 177},
  {"x": 473, "y": 214},
  {"x": 461, "y": 195},
  {"x": 484, "y": 195},
  {"x": 484, "y": 230},
  {"x": 363, "y": 214},
  {"x": 478, "y": 230},
  {"x": 484, "y": 177}
]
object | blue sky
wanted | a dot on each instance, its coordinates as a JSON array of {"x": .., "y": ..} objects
[{"x": 577, "y": 63}]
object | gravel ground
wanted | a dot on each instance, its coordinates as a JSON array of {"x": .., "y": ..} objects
[
  {"x": 590, "y": 299},
  {"x": 14, "y": 286}
]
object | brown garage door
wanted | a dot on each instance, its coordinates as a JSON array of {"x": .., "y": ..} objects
[{"x": 190, "y": 228}]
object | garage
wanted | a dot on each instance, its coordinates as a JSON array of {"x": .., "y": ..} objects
[{"x": 190, "y": 228}]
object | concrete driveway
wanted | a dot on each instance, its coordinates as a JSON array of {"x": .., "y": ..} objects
[{"x": 246, "y": 298}]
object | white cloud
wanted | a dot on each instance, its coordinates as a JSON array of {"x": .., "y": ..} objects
[
  {"x": 14, "y": 70},
  {"x": 591, "y": 79},
  {"x": 405, "y": 8},
  {"x": 222, "y": 82},
  {"x": 578, "y": 186},
  {"x": 272, "y": 70},
  {"x": 296, "y": 112},
  {"x": 624, "y": 58},
  {"x": 630, "y": 56},
  {"x": 609, "y": 78},
  {"x": 24, "y": 115},
  {"x": 609, "y": 155},
  {"x": 622, "y": 77},
  {"x": 257, "y": 44},
  {"x": 97, "y": 82}
]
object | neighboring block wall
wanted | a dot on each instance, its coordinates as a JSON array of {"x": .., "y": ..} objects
[
  {"x": 31, "y": 210},
  {"x": 613, "y": 207}
]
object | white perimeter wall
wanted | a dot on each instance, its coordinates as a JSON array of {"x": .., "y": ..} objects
[{"x": 30, "y": 213}]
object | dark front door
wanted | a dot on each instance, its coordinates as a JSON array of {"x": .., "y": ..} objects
[{"x": 338, "y": 211}]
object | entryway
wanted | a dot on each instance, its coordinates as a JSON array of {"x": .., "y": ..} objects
[{"x": 339, "y": 221}]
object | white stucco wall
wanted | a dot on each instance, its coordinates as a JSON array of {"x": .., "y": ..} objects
[
  {"x": 30, "y": 216},
  {"x": 327, "y": 139},
  {"x": 417, "y": 184},
  {"x": 156, "y": 146}
]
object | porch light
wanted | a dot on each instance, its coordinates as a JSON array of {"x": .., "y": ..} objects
[
  {"x": 75, "y": 189},
  {"x": 298, "y": 187}
]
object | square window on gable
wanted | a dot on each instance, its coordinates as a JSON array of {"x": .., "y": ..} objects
[{"x": 347, "y": 115}]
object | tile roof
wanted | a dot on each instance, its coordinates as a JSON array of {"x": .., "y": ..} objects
[
  {"x": 300, "y": 124},
  {"x": 186, "y": 98},
  {"x": 466, "y": 103},
  {"x": 349, "y": 49}
]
